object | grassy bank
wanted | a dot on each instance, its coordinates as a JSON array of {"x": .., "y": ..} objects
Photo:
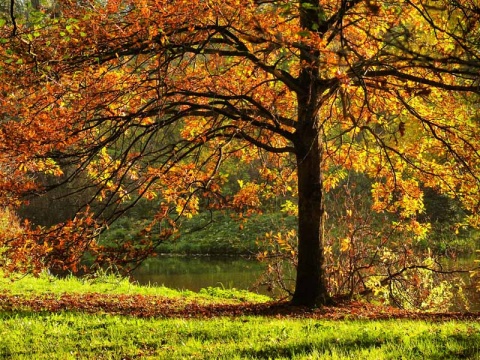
[
  {"x": 221, "y": 233},
  {"x": 27, "y": 286},
  {"x": 91, "y": 330},
  {"x": 217, "y": 233}
]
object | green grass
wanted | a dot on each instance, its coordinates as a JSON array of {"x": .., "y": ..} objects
[
  {"x": 107, "y": 283},
  {"x": 226, "y": 235},
  {"x": 219, "y": 233},
  {"x": 79, "y": 336},
  {"x": 73, "y": 335},
  {"x": 211, "y": 234}
]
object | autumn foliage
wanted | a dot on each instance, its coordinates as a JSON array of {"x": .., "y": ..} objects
[{"x": 151, "y": 98}]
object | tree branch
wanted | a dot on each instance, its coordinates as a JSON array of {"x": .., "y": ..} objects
[
  {"x": 12, "y": 17},
  {"x": 421, "y": 80}
]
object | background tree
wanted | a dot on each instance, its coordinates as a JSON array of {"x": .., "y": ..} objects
[{"x": 148, "y": 98}]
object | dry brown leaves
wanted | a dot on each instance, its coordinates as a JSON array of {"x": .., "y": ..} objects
[{"x": 155, "y": 306}]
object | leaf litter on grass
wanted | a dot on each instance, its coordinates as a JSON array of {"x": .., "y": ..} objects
[{"x": 164, "y": 307}]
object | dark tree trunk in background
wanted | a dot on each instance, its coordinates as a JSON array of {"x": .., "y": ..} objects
[{"x": 35, "y": 4}]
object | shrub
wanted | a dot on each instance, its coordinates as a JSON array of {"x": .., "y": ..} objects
[
  {"x": 370, "y": 254},
  {"x": 10, "y": 229}
]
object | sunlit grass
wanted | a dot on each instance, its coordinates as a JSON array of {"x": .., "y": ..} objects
[
  {"x": 69, "y": 334},
  {"x": 80, "y": 336},
  {"x": 108, "y": 283}
]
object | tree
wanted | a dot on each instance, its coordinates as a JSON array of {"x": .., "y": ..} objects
[{"x": 150, "y": 97}]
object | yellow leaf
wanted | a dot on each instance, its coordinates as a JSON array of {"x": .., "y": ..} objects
[{"x": 344, "y": 244}]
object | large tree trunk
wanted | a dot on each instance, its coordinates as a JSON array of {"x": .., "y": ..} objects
[{"x": 311, "y": 285}]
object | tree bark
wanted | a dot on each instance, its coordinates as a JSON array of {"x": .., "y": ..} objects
[{"x": 311, "y": 285}]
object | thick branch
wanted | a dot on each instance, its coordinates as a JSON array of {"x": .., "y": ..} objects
[{"x": 421, "y": 80}]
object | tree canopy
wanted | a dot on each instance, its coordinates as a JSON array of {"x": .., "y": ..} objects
[{"x": 148, "y": 99}]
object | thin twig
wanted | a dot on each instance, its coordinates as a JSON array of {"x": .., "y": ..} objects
[{"x": 12, "y": 16}]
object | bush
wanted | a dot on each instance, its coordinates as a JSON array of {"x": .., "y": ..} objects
[
  {"x": 369, "y": 254},
  {"x": 10, "y": 229}
]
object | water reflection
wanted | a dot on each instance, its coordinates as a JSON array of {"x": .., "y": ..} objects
[{"x": 195, "y": 273}]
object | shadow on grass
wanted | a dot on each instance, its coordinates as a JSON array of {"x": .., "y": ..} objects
[{"x": 460, "y": 347}]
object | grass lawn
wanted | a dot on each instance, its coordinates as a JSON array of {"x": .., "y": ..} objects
[
  {"x": 32, "y": 327},
  {"x": 71, "y": 335}
]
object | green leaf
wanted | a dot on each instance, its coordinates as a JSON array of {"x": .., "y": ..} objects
[
  {"x": 2, "y": 22},
  {"x": 309, "y": 6},
  {"x": 304, "y": 33}
]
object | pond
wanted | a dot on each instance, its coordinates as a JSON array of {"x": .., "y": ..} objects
[{"x": 195, "y": 273}]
